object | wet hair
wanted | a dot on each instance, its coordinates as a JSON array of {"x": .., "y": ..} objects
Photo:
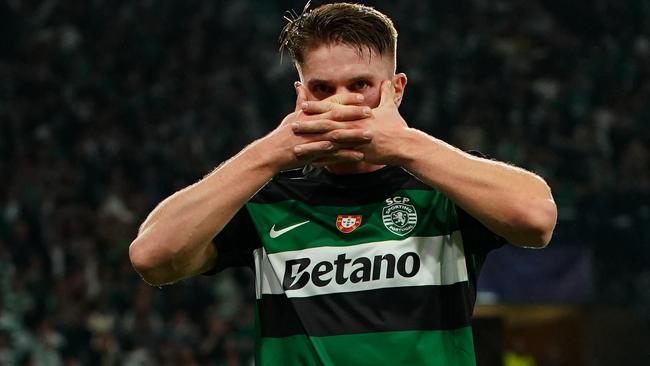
[{"x": 355, "y": 25}]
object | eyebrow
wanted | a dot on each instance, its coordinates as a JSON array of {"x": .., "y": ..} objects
[{"x": 349, "y": 81}]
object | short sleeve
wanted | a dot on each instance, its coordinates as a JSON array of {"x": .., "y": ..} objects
[
  {"x": 235, "y": 243},
  {"x": 478, "y": 241},
  {"x": 476, "y": 236}
]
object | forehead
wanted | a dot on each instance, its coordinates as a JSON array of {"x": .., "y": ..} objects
[{"x": 340, "y": 62}]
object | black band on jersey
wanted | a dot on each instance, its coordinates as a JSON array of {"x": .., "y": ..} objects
[
  {"x": 319, "y": 187},
  {"x": 349, "y": 313}
]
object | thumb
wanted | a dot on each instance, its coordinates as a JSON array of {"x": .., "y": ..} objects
[
  {"x": 387, "y": 93},
  {"x": 302, "y": 95}
]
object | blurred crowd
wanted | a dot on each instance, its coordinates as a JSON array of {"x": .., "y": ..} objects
[{"x": 107, "y": 107}]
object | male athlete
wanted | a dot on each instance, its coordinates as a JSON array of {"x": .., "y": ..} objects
[{"x": 366, "y": 236}]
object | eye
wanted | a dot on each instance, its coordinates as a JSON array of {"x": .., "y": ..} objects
[
  {"x": 359, "y": 85},
  {"x": 322, "y": 89}
]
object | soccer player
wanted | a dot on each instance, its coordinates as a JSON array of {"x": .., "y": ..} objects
[{"x": 366, "y": 236}]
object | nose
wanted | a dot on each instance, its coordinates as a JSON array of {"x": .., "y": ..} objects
[{"x": 342, "y": 90}]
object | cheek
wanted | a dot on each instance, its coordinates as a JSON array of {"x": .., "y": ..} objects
[{"x": 372, "y": 97}]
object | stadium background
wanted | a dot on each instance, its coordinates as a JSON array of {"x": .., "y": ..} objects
[{"x": 106, "y": 107}]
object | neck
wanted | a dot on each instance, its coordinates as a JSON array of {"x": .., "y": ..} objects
[{"x": 353, "y": 168}]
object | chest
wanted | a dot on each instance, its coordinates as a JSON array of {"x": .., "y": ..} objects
[{"x": 405, "y": 239}]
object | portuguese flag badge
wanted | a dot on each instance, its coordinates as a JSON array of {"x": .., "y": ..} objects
[{"x": 348, "y": 223}]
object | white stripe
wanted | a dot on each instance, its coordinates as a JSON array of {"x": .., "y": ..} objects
[
  {"x": 442, "y": 262},
  {"x": 266, "y": 280}
]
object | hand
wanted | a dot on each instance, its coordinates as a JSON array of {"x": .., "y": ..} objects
[
  {"x": 382, "y": 127},
  {"x": 387, "y": 128},
  {"x": 294, "y": 150},
  {"x": 339, "y": 107},
  {"x": 325, "y": 121}
]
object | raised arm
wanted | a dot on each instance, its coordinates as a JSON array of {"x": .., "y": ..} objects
[
  {"x": 510, "y": 201},
  {"x": 175, "y": 240}
]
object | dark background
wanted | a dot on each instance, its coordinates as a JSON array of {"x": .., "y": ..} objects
[{"x": 107, "y": 107}]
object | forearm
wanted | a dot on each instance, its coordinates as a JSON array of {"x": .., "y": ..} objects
[
  {"x": 175, "y": 239},
  {"x": 510, "y": 201}
]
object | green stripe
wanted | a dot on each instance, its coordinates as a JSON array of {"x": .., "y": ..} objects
[
  {"x": 436, "y": 216},
  {"x": 417, "y": 348}
]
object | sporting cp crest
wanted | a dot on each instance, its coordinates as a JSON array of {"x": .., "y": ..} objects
[
  {"x": 348, "y": 223},
  {"x": 399, "y": 216}
]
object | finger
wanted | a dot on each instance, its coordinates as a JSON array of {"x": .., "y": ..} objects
[
  {"x": 301, "y": 97},
  {"x": 342, "y": 112},
  {"x": 312, "y": 148},
  {"x": 348, "y": 136},
  {"x": 350, "y": 113},
  {"x": 346, "y": 99},
  {"x": 326, "y": 105},
  {"x": 317, "y": 149},
  {"x": 316, "y": 126},
  {"x": 387, "y": 93},
  {"x": 317, "y": 107},
  {"x": 339, "y": 156},
  {"x": 332, "y": 131}
]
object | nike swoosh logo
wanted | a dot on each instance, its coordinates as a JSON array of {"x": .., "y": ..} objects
[{"x": 274, "y": 234}]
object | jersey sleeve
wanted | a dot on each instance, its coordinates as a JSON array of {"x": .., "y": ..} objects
[
  {"x": 478, "y": 241},
  {"x": 235, "y": 243},
  {"x": 476, "y": 236}
]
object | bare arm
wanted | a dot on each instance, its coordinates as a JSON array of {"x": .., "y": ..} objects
[
  {"x": 510, "y": 201},
  {"x": 175, "y": 240}
]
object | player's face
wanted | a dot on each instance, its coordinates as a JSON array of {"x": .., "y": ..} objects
[{"x": 338, "y": 68}]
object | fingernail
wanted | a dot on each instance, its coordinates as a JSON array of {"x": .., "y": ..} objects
[
  {"x": 367, "y": 135},
  {"x": 360, "y": 98},
  {"x": 294, "y": 126},
  {"x": 297, "y": 149},
  {"x": 366, "y": 111},
  {"x": 329, "y": 146},
  {"x": 304, "y": 105}
]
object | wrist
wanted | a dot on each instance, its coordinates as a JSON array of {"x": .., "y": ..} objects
[
  {"x": 411, "y": 145},
  {"x": 274, "y": 152},
  {"x": 263, "y": 157}
]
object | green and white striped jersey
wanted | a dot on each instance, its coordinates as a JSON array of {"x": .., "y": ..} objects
[{"x": 363, "y": 269}]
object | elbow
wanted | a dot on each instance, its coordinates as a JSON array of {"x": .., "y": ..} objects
[
  {"x": 536, "y": 223},
  {"x": 144, "y": 260}
]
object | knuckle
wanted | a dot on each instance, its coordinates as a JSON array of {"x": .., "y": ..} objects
[{"x": 322, "y": 125}]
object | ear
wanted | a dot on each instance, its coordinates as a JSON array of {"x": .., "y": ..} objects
[{"x": 399, "y": 84}]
